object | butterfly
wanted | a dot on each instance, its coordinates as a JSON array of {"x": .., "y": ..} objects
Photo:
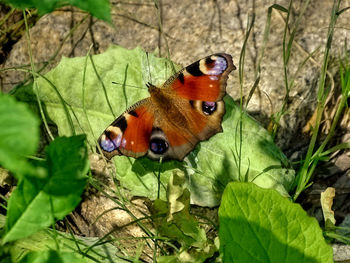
[{"x": 186, "y": 109}]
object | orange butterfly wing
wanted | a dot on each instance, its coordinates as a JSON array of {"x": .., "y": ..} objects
[
  {"x": 203, "y": 80},
  {"x": 129, "y": 133}
]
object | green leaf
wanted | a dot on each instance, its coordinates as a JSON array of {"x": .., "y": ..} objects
[
  {"x": 67, "y": 165},
  {"x": 19, "y": 135},
  {"x": 100, "y": 9},
  {"x": 258, "y": 225},
  {"x": 279, "y": 7},
  {"x": 140, "y": 175},
  {"x": 37, "y": 202},
  {"x": 179, "y": 224},
  {"x": 174, "y": 221},
  {"x": 52, "y": 256},
  {"x": 208, "y": 168}
]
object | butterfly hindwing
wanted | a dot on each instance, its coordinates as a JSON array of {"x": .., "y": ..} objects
[{"x": 199, "y": 127}]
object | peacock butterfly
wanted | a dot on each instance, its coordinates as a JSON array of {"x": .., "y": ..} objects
[{"x": 186, "y": 109}]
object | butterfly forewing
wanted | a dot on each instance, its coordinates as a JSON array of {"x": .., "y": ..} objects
[
  {"x": 203, "y": 80},
  {"x": 129, "y": 134}
]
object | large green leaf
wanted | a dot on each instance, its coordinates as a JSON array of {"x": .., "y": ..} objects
[
  {"x": 19, "y": 135},
  {"x": 209, "y": 167},
  {"x": 100, "y": 9},
  {"x": 259, "y": 225},
  {"x": 37, "y": 202}
]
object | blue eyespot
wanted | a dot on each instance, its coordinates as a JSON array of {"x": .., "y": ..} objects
[
  {"x": 158, "y": 145},
  {"x": 208, "y": 107}
]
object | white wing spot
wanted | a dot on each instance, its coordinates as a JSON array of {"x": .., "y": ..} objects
[
  {"x": 117, "y": 140},
  {"x": 123, "y": 143}
]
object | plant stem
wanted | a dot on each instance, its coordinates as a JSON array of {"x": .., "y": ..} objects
[{"x": 36, "y": 90}]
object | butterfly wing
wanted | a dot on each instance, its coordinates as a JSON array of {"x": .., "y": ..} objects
[
  {"x": 203, "y": 80},
  {"x": 129, "y": 134}
]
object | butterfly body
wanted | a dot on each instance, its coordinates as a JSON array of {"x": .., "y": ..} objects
[{"x": 186, "y": 109}]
